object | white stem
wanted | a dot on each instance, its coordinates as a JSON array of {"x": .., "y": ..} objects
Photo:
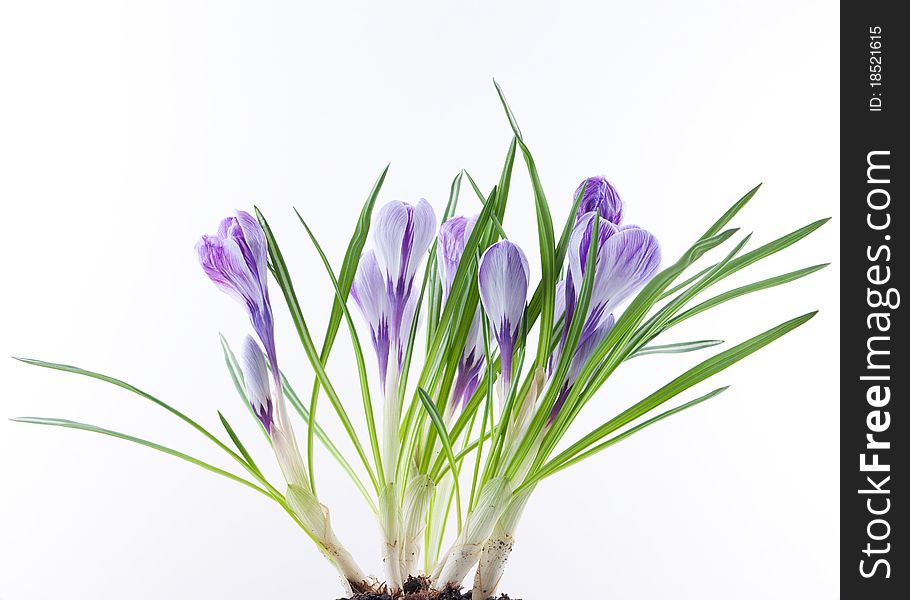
[
  {"x": 391, "y": 421},
  {"x": 390, "y": 523},
  {"x": 497, "y": 548},
  {"x": 464, "y": 554},
  {"x": 418, "y": 496}
]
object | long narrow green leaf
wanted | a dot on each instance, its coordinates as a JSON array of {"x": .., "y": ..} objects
[
  {"x": 86, "y": 427},
  {"x": 349, "y": 264},
  {"x": 440, "y": 427},
  {"x": 676, "y": 348},
  {"x": 731, "y": 212},
  {"x": 236, "y": 439},
  {"x": 126, "y": 386},
  {"x": 545, "y": 236},
  {"x": 483, "y": 200},
  {"x": 768, "y": 249}
]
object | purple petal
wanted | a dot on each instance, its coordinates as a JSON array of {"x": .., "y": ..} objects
[
  {"x": 369, "y": 293},
  {"x": 503, "y": 281},
  {"x": 402, "y": 234},
  {"x": 580, "y": 243},
  {"x": 626, "y": 261},
  {"x": 470, "y": 364},
  {"x": 453, "y": 234},
  {"x": 600, "y": 196},
  {"x": 627, "y": 257},
  {"x": 256, "y": 380},
  {"x": 235, "y": 260}
]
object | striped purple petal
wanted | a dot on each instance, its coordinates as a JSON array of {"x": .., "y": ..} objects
[
  {"x": 453, "y": 234},
  {"x": 235, "y": 260},
  {"x": 600, "y": 196},
  {"x": 503, "y": 281},
  {"x": 626, "y": 258},
  {"x": 369, "y": 293},
  {"x": 384, "y": 284},
  {"x": 401, "y": 235}
]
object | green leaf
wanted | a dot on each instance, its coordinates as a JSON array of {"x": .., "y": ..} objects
[
  {"x": 294, "y": 399},
  {"x": 768, "y": 249},
  {"x": 86, "y": 427},
  {"x": 496, "y": 224},
  {"x": 546, "y": 240},
  {"x": 122, "y": 384},
  {"x": 440, "y": 427},
  {"x": 731, "y": 212},
  {"x": 676, "y": 348},
  {"x": 349, "y": 265},
  {"x": 236, "y": 439}
]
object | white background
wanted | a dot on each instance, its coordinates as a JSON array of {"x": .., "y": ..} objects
[{"x": 127, "y": 129}]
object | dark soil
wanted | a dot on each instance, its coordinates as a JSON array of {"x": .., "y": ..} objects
[{"x": 418, "y": 588}]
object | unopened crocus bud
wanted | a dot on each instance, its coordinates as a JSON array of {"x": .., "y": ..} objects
[
  {"x": 600, "y": 196},
  {"x": 453, "y": 235},
  {"x": 503, "y": 278},
  {"x": 256, "y": 380},
  {"x": 235, "y": 259}
]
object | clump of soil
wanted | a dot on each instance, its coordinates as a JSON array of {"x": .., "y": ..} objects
[{"x": 418, "y": 588}]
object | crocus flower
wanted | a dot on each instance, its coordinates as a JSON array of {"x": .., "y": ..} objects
[
  {"x": 600, "y": 196},
  {"x": 627, "y": 256},
  {"x": 235, "y": 259},
  {"x": 383, "y": 286},
  {"x": 503, "y": 280},
  {"x": 453, "y": 234}
]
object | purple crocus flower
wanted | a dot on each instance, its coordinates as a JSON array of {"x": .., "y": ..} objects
[
  {"x": 453, "y": 234},
  {"x": 503, "y": 280},
  {"x": 627, "y": 256},
  {"x": 235, "y": 259},
  {"x": 600, "y": 196},
  {"x": 384, "y": 283}
]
